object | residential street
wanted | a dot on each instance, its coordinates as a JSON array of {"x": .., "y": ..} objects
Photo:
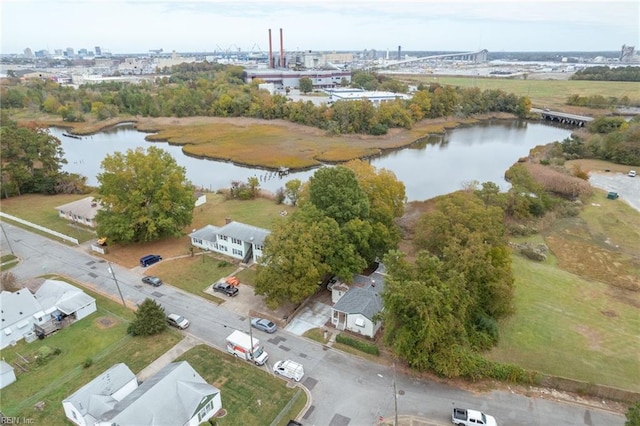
[{"x": 346, "y": 390}]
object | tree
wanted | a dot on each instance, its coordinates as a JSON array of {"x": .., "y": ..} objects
[
  {"x": 299, "y": 252},
  {"x": 292, "y": 190},
  {"x": 150, "y": 319},
  {"x": 424, "y": 308},
  {"x": 31, "y": 159},
  {"x": 306, "y": 85},
  {"x": 145, "y": 196},
  {"x": 633, "y": 415},
  {"x": 335, "y": 192}
]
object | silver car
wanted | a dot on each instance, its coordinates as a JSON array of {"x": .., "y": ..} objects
[
  {"x": 264, "y": 325},
  {"x": 178, "y": 321}
]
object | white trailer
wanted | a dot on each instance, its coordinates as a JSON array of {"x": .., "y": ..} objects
[{"x": 240, "y": 344}]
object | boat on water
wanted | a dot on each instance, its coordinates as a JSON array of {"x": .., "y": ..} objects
[{"x": 69, "y": 135}]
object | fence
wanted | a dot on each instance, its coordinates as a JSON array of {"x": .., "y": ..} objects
[{"x": 40, "y": 228}]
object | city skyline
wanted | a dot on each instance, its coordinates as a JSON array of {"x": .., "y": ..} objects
[{"x": 416, "y": 25}]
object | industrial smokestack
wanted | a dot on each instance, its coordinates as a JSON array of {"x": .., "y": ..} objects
[
  {"x": 399, "y": 49},
  {"x": 270, "y": 51},
  {"x": 281, "y": 50}
]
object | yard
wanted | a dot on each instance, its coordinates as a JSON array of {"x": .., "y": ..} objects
[
  {"x": 250, "y": 397},
  {"x": 86, "y": 349}
]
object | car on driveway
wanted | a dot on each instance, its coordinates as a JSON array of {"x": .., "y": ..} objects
[
  {"x": 225, "y": 288},
  {"x": 151, "y": 280},
  {"x": 264, "y": 325},
  {"x": 632, "y": 173},
  {"x": 179, "y": 321}
]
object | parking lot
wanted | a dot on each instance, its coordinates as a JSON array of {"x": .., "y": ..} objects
[{"x": 628, "y": 188}]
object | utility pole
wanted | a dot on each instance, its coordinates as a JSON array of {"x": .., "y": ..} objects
[
  {"x": 117, "y": 285},
  {"x": 251, "y": 338},
  {"x": 7, "y": 238}
]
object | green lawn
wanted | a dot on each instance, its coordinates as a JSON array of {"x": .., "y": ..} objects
[
  {"x": 40, "y": 209},
  {"x": 63, "y": 374},
  {"x": 250, "y": 396},
  {"x": 195, "y": 274},
  {"x": 567, "y": 326},
  {"x": 541, "y": 92}
]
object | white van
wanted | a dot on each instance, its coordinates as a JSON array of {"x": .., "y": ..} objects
[{"x": 289, "y": 369}]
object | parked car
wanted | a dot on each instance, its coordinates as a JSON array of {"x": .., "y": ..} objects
[
  {"x": 264, "y": 325},
  {"x": 289, "y": 369},
  {"x": 152, "y": 280},
  {"x": 632, "y": 173},
  {"x": 179, "y": 321},
  {"x": 149, "y": 259},
  {"x": 225, "y": 288},
  {"x": 464, "y": 417}
]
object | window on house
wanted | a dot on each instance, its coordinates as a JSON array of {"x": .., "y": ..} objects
[
  {"x": 223, "y": 237},
  {"x": 236, "y": 241},
  {"x": 237, "y": 252}
]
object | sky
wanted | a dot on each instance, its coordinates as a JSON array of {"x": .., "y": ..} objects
[{"x": 138, "y": 26}]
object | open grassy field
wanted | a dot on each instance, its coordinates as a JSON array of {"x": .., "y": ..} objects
[
  {"x": 101, "y": 337},
  {"x": 543, "y": 93},
  {"x": 41, "y": 209},
  {"x": 250, "y": 396},
  {"x": 577, "y": 312}
]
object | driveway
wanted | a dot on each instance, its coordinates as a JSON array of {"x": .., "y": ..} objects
[{"x": 628, "y": 188}]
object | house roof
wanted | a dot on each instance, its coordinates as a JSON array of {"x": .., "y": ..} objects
[
  {"x": 360, "y": 301},
  {"x": 67, "y": 298},
  {"x": 240, "y": 231},
  {"x": 244, "y": 232},
  {"x": 95, "y": 398},
  {"x": 85, "y": 208},
  {"x": 17, "y": 306},
  {"x": 170, "y": 397},
  {"x": 5, "y": 367}
]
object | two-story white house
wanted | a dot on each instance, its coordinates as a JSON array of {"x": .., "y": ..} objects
[{"x": 234, "y": 239}]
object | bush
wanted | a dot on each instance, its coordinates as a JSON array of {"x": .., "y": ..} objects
[
  {"x": 358, "y": 344},
  {"x": 87, "y": 363}
]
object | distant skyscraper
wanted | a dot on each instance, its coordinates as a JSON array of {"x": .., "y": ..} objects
[
  {"x": 28, "y": 53},
  {"x": 98, "y": 51},
  {"x": 69, "y": 52}
]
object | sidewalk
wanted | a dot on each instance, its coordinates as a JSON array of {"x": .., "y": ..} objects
[{"x": 168, "y": 357}]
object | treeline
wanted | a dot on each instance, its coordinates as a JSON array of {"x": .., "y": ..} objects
[
  {"x": 599, "y": 101},
  {"x": 605, "y": 73},
  {"x": 31, "y": 162},
  {"x": 612, "y": 139},
  {"x": 220, "y": 91}
]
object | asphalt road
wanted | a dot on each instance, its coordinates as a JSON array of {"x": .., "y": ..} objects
[
  {"x": 346, "y": 390},
  {"x": 628, "y": 188}
]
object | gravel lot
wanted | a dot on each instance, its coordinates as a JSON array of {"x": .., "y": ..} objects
[{"x": 628, "y": 188}]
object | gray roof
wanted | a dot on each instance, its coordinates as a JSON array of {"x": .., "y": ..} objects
[
  {"x": 206, "y": 233},
  {"x": 240, "y": 231},
  {"x": 170, "y": 397},
  {"x": 67, "y": 298},
  {"x": 360, "y": 301},
  {"x": 5, "y": 367},
  {"x": 17, "y": 306},
  {"x": 94, "y": 398},
  {"x": 84, "y": 207},
  {"x": 373, "y": 282}
]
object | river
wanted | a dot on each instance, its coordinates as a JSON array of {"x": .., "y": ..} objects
[{"x": 433, "y": 166}]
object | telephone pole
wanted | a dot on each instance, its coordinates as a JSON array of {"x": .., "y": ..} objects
[{"x": 117, "y": 285}]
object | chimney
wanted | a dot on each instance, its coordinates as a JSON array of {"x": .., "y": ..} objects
[
  {"x": 270, "y": 51},
  {"x": 281, "y": 50},
  {"x": 399, "y": 48},
  {"x": 227, "y": 220}
]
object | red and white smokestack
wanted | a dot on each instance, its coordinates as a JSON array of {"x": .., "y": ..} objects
[
  {"x": 270, "y": 51},
  {"x": 281, "y": 50}
]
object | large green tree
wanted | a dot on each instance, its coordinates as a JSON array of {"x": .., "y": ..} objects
[
  {"x": 335, "y": 192},
  {"x": 150, "y": 319},
  {"x": 30, "y": 157},
  {"x": 425, "y": 308},
  {"x": 299, "y": 252},
  {"x": 145, "y": 196}
]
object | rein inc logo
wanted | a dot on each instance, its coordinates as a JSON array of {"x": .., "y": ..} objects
[{"x": 4, "y": 420}]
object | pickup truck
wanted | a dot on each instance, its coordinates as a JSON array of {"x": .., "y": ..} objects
[{"x": 461, "y": 416}]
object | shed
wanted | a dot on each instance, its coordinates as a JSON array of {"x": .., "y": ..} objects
[{"x": 7, "y": 375}]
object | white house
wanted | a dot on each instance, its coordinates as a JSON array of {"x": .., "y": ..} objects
[
  {"x": 375, "y": 97},
  {"x": 22, "y": 311},
  {"x": 176, "y": 395},
  {"x": 356, "y": 310},
  {"x": 235, "y": 239},
  {"x": 7, "y": 375},
  {"x": 81, "y": 211}
]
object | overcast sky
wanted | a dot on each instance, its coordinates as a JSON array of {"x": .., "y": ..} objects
[{"x": 320, "y": 25}]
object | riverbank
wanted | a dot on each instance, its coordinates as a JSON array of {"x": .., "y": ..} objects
[{"x": 269, "y": 144}]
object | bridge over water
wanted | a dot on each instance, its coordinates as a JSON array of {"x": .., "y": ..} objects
[{"x": 562, "y": 117}]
